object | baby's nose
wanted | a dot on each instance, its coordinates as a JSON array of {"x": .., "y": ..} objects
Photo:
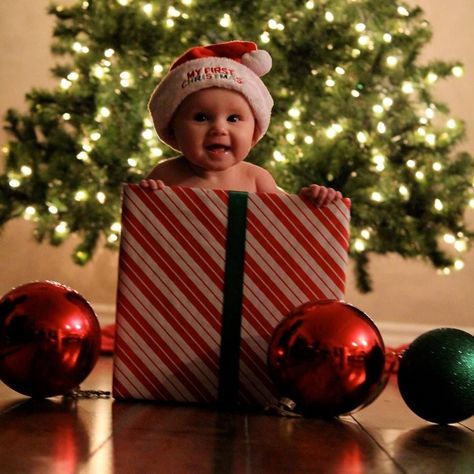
[{"x": 219, "y": 127}]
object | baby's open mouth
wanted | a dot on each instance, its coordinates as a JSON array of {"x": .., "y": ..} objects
[{"x": 217, "y": 148}]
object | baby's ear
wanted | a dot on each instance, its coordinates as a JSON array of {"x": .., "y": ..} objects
[{"x": 256, "y": 134}]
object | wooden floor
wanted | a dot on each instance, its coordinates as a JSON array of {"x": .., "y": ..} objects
[{"x": 64, "y": 436}]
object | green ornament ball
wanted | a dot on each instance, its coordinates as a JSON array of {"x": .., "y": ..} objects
[{"x": 436, "y": 376}]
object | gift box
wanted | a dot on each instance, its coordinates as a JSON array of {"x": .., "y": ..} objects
[{"x": 204, "y": 278}]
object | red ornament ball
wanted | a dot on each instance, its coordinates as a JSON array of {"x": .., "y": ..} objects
[
  {"x": 328, "y": 357},
  {"x": 49, "y": 339}
]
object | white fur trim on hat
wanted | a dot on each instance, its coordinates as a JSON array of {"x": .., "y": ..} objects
[{"x": 203, "y": 73}]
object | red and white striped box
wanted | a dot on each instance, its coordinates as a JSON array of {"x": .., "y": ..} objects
[{"x": 178, "y": 293}]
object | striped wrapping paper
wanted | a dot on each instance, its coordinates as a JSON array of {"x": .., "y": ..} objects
[{"x": 177, "y": 297}]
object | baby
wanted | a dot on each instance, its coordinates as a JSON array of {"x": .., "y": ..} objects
[{"x": 213, "y": 108}]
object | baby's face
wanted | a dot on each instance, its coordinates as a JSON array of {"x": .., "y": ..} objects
[{"x": 214, "y": 128}]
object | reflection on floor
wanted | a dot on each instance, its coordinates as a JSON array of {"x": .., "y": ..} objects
[{"x": 60, "y": 435}]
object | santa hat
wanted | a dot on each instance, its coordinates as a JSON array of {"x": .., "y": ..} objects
[{"x": 234, "y": 65}]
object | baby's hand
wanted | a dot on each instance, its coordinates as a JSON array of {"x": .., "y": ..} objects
[
  {"x": 320, "y": 195},
  {"x": 153, "y": 184}
]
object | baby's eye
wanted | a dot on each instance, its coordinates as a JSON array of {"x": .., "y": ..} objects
[
  {"x": 233, "y": 118},
  {"x": 200, "y": 117}
]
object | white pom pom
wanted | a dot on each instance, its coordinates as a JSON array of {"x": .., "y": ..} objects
[{"x": 259, "y": 61}]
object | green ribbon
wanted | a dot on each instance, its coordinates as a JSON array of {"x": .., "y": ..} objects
[{"x": 233, "y": 295}]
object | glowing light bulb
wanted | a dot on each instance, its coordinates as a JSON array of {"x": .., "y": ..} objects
[
  {"x": 381, "y": 127},
  {"x": 156, "y": 152},
  {"x": 360, "y": 27},
  {"x": 101, "y": 197},
  {"x": 81, "y": 195},
  {"x": 66, "y": 116},
  {"x": 73, "y": 76},
  {"x": 437, "y": 166},
  {"x": 278, "y": 156},
  {"x": 402, "y": 11},
  {"x": 125, "y": 78},
  {"x": 458, "y": 264},
  {"x": 421, "y": 131},
  {"x": 330, "y": 82},
  {"x": 308, "y": 139},
  {"x": 432, "y": 77},
  {"x": 61, "y": 228},
  {"x": 387, "y": 37},
  {"x": 187, "y": 2},
  {"x": 29, "y": 212},
  {"x": 355, "y": 93},
  {"x": 132, "y": 162},
  {"x": 363, "y": 40},
  {"x": 387, "y": 102},
  {"x": 265, "y": 37},
  {"x": 359, "y": 245},
  {"x": 294, "y": 113},
  {"x": 451, "y": 123},
  {"x": 169, "y": 23},
  {"x": 26, "y": 170},
  {"x": 225, "y": 21},
  {"x": 376, "y": 196},
  {"x": 407, "y": 87},
  {"x": 109, "y": 52},
  {"x": 391, "y": 61},
  {"x": 14, "y": 183},
  {"x": 403, "y": 190},
  {"x": 431, "y": 139},
  {"x": 148, "y": 134},
  {"x": 340, "y": 70},
  {"x": 429, "y": 113},
  {"x": 460, "y": 245},
  {"x": 95, "y": 136},
  {"x": 65, "y": 84},
  {"x": 378, "y": 109},
  {"x": 82, "y": 156},
  {"x": 329, "y": 16},
  {"x": 157, "y": 69},
  {"x": 411, "y": 163},
  {"x": 124, "y": 3},
  {"x": 77, "y": 47},
  {"x": 173, "y": 12},
  {"x": 362, "y": 137},
  {"x": 112, "y": 238},
  {"x": 309, "y": 5},
  {"x": 148, "y": 8},
  {"x": 449, "y": 238},
  {"x": 419, "y": 175},
  {"x": 365, "y": 233},
  {"x": 457, "y": 71},
  {"x": 116, "y": 227},
  {"x": 290, "y": 137},
  {"x": 438, "y": 204},
  {"x": 104, "y": 112},
  {"x": 53, "y": 209}
]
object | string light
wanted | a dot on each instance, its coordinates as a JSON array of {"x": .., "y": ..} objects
[
  {"x": 53, "y": 209},
  {"x": 26, "y": 170},
  {"x": 148, "y": 8},
  {"x": 101, "y": 197},
  {"x": 387, "y": 37},
  {"x": 359, "y": 245},
  {"x": 116, "y": 227},
  {"x": 66, "y": 116},
  {"x": 419, "y": 175},
  {"x": 329, "y": 16},
  {"x": 451, "y": 123},
  {"x": 81, "y": 195},
  {"x": 458, "y": 264},
  {"x": 457, "y": 71},
  {"x": 407, "y": 87},
  {"x": 61, "y": 228},
  {"x": 309, "y": 5},
  {"x": 437, "y": 166},
  {"x": 403, "y": 190},
  {"x": 376, "y": 196},
  {"x": 402, "y": 11},
  {"x": 362, "y": 137},
  {"x": 265, "y": 37},
  {"x": 29, "y": 212},
  {"x": 294, "y": 113},
  {"x": 225, "y": 21},
  {"x": 278, "y": 156},
  {"x": 14, "y": 183},
  {"x": 438, "y": 204},
  {"x": 391, "y": 61}
]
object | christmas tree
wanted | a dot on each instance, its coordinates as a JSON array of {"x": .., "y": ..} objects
[{"x": 354, "y": 110}]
